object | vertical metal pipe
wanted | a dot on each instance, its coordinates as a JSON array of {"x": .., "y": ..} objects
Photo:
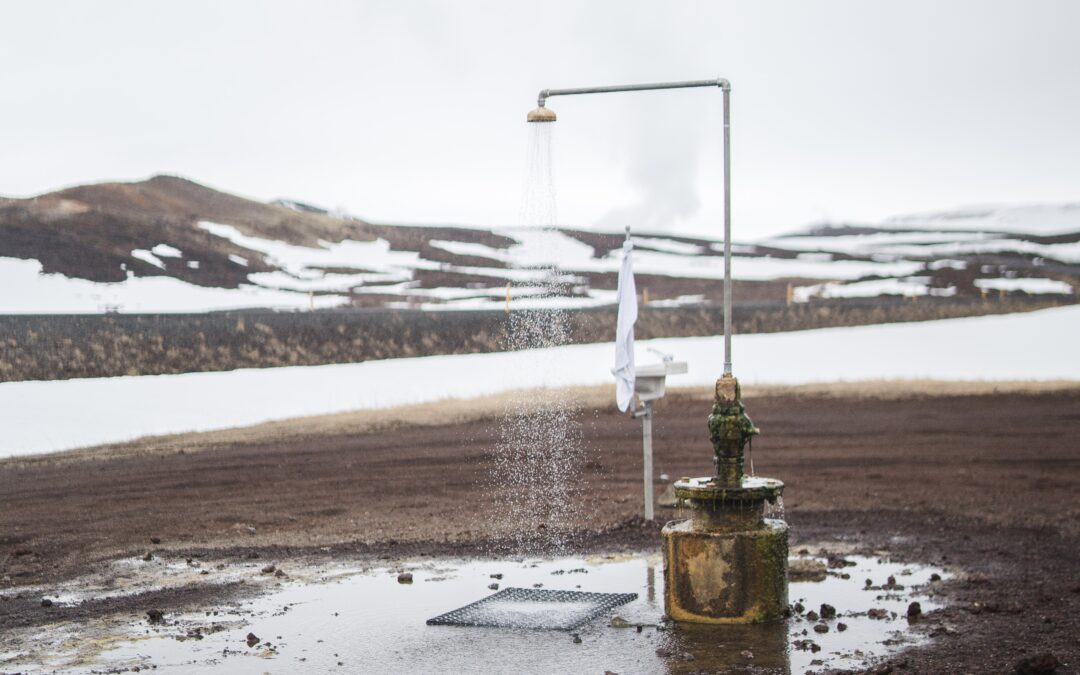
[
  {"x": 646, "y": 433},
  {"x": 727, "y": 230}
]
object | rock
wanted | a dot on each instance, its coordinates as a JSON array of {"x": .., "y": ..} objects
[
  {"x": 869, "y": 583},
  {"x": 841, "y": 627},
  {"x": 935, "y": 577},
  {"x": 269, "y": 569},
  {"x": 493, "y": 587},
  {"x": 806, "y": 569},
  {"x": 496, "y": 576},
  {"x": 878, "y": 613},
  {"x": 798, "y": 608},
  {"x": 747, "y": 654},
  {"x": 836, "y": 562},
  {"x": 252, "y": 639},
  {"x": 619, "y": 622},
  {"x": 148, "y": 557},
  {"x": 280, "y": 573},
  {"x": 155, "y": 540},
  {"x": 1040, "y": 664},
  {"x": 155, "y": 616},
  {"x": 821, "y": 628},
  {"x": 914, "y": 610},
  {"x": 812, "y": 616},
  {"x": 404, "y": 578},
  {"x": 806, "y": 645},
  {"x": 828, "y": 611},
  {"x": 577, "y": 639},
  {"x": 45, "y": 602}
]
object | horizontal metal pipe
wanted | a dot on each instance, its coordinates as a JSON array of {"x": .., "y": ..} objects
[{"x": 548, "y": 93}]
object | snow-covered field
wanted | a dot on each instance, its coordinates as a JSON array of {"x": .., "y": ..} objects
[{"x": 57, "y": 415}]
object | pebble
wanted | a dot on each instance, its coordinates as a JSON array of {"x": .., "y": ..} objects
[
  {"x": 841, "y": 627},
  {"x": 493, "y": 587},
  {"x": 914, "y": 610},
  {"x": 252, "y": 639},
  {"x": 45, "y": 602},
  {"x": 821, "y": 628},
  {"x": 404, "y": 578},
  {"x": 155, "y": 616},
  {"x": 828, "y": 611}
]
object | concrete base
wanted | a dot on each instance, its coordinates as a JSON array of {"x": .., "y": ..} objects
[{"x": 725, "y": 577}]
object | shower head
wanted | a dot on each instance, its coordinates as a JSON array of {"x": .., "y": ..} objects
[{"x": 541, "y": 114}]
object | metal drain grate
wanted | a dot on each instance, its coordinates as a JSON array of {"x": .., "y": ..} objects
[{"x": 534, "y": 608}]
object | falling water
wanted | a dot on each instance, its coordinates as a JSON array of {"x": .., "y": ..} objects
[{"x": 539, "y": 449}]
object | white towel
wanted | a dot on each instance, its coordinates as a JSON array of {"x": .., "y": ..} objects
[{"x": 624, "y": 331}]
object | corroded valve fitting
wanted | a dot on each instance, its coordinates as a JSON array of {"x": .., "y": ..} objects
[{"x": 730, "y": 429}]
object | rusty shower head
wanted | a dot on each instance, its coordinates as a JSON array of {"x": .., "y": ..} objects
[{"x": 541, "y": 114}]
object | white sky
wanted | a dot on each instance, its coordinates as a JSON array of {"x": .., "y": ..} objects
[{"x": 414, "y": 111}]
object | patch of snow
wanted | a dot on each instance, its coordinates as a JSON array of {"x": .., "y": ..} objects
[
  {"x": 856, "y": 244},
  {"x": 57, "y": 415},
  {"x": 36, "y": 293},
  {"x": 907, "y": 287},
  {"x": 239, "y": 260},
  {"x": 193, "y": 264},
  {"x": 371, "y": 255},
  {"x": 667, "y": 245},
  {"x": 1032, "y": 285},
  {"x": 1039, "y": 219},
  {"x": 166, "y": 251},
  {"x": 681, "y": 301},
  {"x": 147, "y": 256},
  {"x": 471, "y": 248},
  {"x": 1069, "y": 253},
  {"x": 947, "y": 264}
]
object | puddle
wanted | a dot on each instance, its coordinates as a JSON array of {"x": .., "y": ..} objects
[{"x": 336, "y": 618}]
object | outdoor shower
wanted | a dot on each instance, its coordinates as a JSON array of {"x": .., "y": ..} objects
[{"x": 728, "y": 563}]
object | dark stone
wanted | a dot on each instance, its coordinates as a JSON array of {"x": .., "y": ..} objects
[
  {"x": 828, "y": 611},
  {"x": 914, "y": 610},
  {"x": 404, "y": 578},
  {"x": 1040, "y": 664},
  {"x": 821, "y": 628},
  {"x": 155, "y": 616},
  {"x": 252, "y": 639},
  {"x": 45, "y": 602},
  {"x": 841, "y": 627}
]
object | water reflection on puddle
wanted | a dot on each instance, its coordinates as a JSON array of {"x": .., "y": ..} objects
[{"x": 352, "y": 620}]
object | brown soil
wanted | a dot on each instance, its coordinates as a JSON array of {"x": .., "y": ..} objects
[{"x": 982, "y": 482}]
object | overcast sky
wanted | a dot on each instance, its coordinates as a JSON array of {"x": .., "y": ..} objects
[{"x": 414, "y": 111}]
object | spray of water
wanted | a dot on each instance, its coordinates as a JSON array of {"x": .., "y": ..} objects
[{"x": 538, "y": 454}]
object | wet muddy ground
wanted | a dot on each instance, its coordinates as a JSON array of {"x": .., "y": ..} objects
[
  {"x": 344, "y": 617},
  {"x": 979, "y": 483}
]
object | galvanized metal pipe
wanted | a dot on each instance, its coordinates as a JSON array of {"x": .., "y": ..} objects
[
  {"x": 548, "y": 93},
  {"x": 725, "y": 86}
]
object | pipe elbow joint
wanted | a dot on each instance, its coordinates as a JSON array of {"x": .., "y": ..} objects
[
  {"x": 541, "y": 98},
  {"x": 723, "y": 84}
]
